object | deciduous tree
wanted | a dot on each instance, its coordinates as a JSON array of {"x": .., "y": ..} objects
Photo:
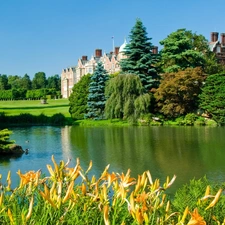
[
  {"x": 79, "y": 97},
  {"x": 178, "y": 92},
  {"x": 39, "y": 80},
  {"x": 126, "y": 98},
  {"x": 25, "y": 82}
]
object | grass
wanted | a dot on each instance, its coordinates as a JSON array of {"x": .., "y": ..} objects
[{"x": 34, "y": 107}]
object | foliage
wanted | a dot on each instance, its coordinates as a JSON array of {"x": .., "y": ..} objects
[
  {"x": 125, "y": 99},
  {"x": 25, "y": 82},
  {"x": 191, "y": 195},
  {"x": 102, "y": 123},
  {"x": 178, "y": 92},
  {"x": 29, "y": 119},
  {"x": 183, "y": 49},
  {"x": 54, "y": 82},
  {"x": 212, "y": 97},
  {"x": 190, "y": 119},
  {"x": 39, "y": 81},
  {"x": 4, "y": 82},
  {"x": 211, "y": 64},
  {"x": 96, "y": 94},
  {"x": 5, "y": 141},
  {"x": 140, "y": 59},
  {"x": 70, "y": 196},
  {"x": 79, "y": 97}
]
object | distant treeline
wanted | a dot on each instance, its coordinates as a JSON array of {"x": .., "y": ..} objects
[
  {"x": 14, "y": 87},
  {"x": 22, "y": 94}
]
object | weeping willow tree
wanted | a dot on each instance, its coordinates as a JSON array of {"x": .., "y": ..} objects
[
  {"x": 126, "y": 98},
  {"x": 5, "y": 141}
]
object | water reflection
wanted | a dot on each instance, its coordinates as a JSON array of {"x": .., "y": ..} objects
[{"x": 187, "y": 152}]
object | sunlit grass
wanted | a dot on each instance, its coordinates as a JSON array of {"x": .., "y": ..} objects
[{"x": 35, "y": 107}]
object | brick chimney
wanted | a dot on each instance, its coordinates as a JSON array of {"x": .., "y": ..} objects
[
  {"x": 98, "y": 53},
  {"x": 155, "y": 49},
  {"x": 222, "y": 39},
  {"x": 117, "y": 50},
  {"x": 84, "y": 58},
  {"x": 214, "y": 36}
]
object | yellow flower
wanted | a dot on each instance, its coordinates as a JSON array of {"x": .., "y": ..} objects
[
  {"x": 106, "y": 215},
  {"x": 196, "y": 219},
  {"x": 215, "y": 200}
]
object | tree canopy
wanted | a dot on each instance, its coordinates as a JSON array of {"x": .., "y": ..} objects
[
  {"x": 140, "y": 59},
  {"x": 79, "y": 97},
  {"x": 96, "y": 96},
  {"x": 178, "y": 92},
  {"x": 39, "y": 81},
  {"x": 212, "y": 97},
  {"x": 183, "y": 49},
  {"x": 125, "y": 98}
]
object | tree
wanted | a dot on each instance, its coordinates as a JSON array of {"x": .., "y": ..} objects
[
  {"x": 96, "y": 96},
  {"x": 14, "y": 82},
  {"x": 54, "y": 82},
  {"x": 25, "y": 82},
  {"x": 183, "y": 49},
  {"x": 178, "y": 92},
  {"x": 79, "y": 97},
  {"x": 125, "y": 98},
  {"x": 212, "y": 97},
  {"x": 39, "y": 80},
  {"x": 140, "y": 59},
  {"x": 5, "y": 142},
  {"x": 4, "y": 82}
]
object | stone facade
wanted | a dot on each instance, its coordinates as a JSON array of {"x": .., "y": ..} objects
[{"x": 72, "y": 75}]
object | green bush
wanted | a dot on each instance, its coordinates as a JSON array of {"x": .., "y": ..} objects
[
  {"x": 58, "y": 119},
  {"x": 189, "y": 119},
  {"x": 200, "y": 121},
  {"x": 191, "y": 194}
]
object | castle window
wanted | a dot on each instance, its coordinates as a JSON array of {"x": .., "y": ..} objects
[{"x": 218, "y": 49}]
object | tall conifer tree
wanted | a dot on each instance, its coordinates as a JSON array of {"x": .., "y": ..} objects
[
  {"x": 140, "y": 58},
  {"x": 96, "y": 96}
]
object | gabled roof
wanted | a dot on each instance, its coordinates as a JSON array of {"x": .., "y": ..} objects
[{"x": 212, "y": 45}]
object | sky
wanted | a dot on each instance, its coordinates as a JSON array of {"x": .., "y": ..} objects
[{"x": 50, "y": 35}]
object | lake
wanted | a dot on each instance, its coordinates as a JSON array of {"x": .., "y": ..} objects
[{"x": 188, "y": 152}]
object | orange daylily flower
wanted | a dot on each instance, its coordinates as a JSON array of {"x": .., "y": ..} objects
[
  {"x": 196, "y": 219},
  {"x": 30, "y": 176}
]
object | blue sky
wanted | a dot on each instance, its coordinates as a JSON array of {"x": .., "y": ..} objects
[{"x": 49, "y": 35}]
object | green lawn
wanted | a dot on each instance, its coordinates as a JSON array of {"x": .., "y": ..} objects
[{"x": 35, "y": 107}]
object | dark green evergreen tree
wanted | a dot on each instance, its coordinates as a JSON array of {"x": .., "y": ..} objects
[
  {"x": 140, "y": 58},
  {"x": 96, "y": 96},
  {"x": 79, "y": 97},
  {"x": 212, "y": 97},
  {"x": 183, "y": 49}
]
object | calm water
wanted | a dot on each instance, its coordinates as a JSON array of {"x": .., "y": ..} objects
[{"x": 188, "y": 152}]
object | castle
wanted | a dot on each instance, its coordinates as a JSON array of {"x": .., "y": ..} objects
[
  {"x": 110, "y": 61},
  {"x": 72, "y": 75},
  {"x": 218, "y": 47}
]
